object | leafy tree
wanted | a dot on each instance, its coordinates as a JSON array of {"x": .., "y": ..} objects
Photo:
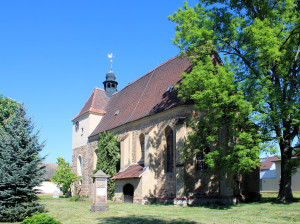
[
  {"x": 7, "y": 108},
  {"x": 261, "y": 39},
  {"x": 108, "y": 159},
  {"x": 223, "y": 128},
  {"x": 19, "y": 170},
  {"x": 63, "y": 176}
]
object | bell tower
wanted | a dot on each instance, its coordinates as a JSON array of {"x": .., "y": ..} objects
[{"x": 110, "y": 85}]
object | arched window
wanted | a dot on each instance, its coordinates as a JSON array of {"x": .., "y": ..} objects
[
  {"x": 142, "y": 147},
  {"x": 170, "y": 146},
  {"x": 79, "y": 165},
  {"x": 95, "y": 159}
]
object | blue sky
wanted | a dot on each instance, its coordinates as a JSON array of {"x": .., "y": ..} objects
[{"x": 54, "y": 53}]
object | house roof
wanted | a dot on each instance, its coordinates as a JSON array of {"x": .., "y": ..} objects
[
  {"x": 95, "y": 104},
  {"x": 133, "y": 171},
  {"x": 49, "y": 169},
  {"x": 150, "y": 94},
  {"x": 267, "y": 162}
]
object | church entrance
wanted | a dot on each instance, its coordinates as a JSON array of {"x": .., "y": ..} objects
[{"x": 128, "y": 191}]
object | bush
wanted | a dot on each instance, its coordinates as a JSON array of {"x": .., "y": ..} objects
[
  {"x": 79, "y": 198},
  {"x": 40, "y": 218}
]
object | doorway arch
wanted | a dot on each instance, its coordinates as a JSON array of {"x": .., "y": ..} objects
[{"x": 128, "y": 192}]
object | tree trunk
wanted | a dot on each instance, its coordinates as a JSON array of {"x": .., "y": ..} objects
[{"x": 285, "y": 187}]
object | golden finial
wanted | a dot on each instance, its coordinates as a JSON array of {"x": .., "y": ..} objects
[{"x": 111, "y": 61}]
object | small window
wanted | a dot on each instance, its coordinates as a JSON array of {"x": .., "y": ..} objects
[{"x": 76, "y": 126}]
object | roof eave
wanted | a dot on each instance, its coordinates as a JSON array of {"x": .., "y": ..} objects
[{"x": 85, "y": 113}]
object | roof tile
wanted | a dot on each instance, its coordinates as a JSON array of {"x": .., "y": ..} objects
[
  {"x": 95, "y": 104},
  {"x": 133, "y": 171},
  {"x": 145, "y": 96}
]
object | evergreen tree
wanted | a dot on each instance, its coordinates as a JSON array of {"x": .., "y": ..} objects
[
  {"x": 19, "y": 170},
  {"x": 108, "y": 159}
]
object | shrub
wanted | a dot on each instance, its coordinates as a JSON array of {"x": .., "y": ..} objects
[{"x": 40, "y": 218}]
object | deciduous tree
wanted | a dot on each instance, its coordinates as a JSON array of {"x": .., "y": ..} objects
[
  {"x": 7, "y": 108},
  {"x": 63, "y": 176},
  {"x": 262, "y": 42}
]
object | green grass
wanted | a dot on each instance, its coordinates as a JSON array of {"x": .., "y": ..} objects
[{"x": 266, "y": 211}]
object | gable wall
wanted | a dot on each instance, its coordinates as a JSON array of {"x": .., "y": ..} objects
[{"x": 87, "y": 124}]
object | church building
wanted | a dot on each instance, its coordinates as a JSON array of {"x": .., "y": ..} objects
[{"x": 152, "y": 125}]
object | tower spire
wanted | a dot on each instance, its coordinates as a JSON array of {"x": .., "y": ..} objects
[{"x": 110, "y": 85}]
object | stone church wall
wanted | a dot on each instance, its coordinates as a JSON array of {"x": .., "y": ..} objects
[
  {"x": 87, "y": 153},
  {"x": 156, "y": 182}
]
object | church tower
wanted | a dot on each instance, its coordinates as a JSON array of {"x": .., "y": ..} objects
[{"x": 110, "y": 85}]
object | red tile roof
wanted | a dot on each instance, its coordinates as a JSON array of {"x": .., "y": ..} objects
[
  {"x": 95, "y": 104},
  {"x": 133, "y": 171},
  {"x": 145, "y": 96},
  {"x": 267, "y": 162}
]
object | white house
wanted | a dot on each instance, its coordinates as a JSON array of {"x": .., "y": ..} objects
[{"x": 48, "y": 187}]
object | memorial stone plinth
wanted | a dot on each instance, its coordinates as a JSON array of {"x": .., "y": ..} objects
[{"x": 100, "y": 192}]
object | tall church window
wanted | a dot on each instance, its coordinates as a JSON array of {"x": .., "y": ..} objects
[
  {"x": 170, "y": 146},
  {"x": 201, "y": 165},
  {"x": 142, "y": 147}
]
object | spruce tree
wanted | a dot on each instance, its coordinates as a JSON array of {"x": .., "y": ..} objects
[{"x": 19, "y": 170}]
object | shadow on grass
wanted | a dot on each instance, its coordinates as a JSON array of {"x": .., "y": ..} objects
[
  {"x": 142, "y": 220},
  {"x": 273, "y": 200},
  {"x": 215, "y": 206}
]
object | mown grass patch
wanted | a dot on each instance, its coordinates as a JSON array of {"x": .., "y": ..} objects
[{"x": 266, "y": 211}]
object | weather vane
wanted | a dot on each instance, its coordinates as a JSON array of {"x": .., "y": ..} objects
[{"x": 111, "y": 61}]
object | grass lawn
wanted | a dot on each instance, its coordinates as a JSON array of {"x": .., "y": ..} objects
[{"x": 266, "y": 211}]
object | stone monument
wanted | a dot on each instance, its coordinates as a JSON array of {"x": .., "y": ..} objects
[
  {"x": 100, "y": 192},
  {"x": 55, "y": 194}
]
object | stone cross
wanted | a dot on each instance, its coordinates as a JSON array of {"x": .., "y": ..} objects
[{"x": 100, "y": 192}]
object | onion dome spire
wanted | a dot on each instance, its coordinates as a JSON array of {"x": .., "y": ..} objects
[{"x": 110, "y": 85}]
